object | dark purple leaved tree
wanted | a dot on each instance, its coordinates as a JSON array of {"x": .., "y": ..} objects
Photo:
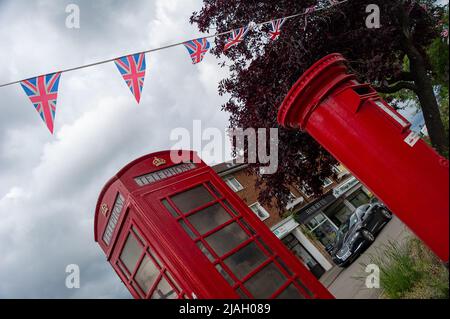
[{"x": 391, "y": 58}]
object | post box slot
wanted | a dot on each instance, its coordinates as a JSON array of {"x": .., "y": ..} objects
[{"x": 363, "y": 90}]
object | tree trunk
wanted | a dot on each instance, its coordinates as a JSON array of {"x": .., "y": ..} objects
[
  {"x": 423, "y": 85},
  {"x": 427, "y": 99}
]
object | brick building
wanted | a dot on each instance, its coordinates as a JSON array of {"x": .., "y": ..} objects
[{"x": 317, "y": 219}]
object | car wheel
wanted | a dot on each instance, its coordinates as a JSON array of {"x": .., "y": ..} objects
[
  {"x": 368, "y": 235},
  {"x": 386, "y": 214}
]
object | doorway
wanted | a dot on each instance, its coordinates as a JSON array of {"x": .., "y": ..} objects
[{"x": 308, "y": 260}]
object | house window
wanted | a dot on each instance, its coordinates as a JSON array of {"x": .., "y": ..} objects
[
  {"x": 234, "y": 184},
  {"x": 292, "y": 197},
  {"x": 260, "y": 211},
  {"x": 293, "y": 201},
  {"x": 323, "y": 229},
  {"x": 326, "y": 182},
  {"x": 336, "y": 169},
  {"x": 358, "y": 198},
  {"x": 306, "y": 190}
]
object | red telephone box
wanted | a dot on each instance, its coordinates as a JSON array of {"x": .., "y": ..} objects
[
  {"x": 376, "y": 144},
  {"x": 176, "y": 230}
]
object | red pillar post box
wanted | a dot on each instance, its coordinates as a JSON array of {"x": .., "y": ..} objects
[
  {"x": 375, "y": 143},
  {"x": 174, "y": 229}
]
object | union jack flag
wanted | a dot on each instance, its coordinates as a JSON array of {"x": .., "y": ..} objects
[
  {"x": 275, "y": 27},
  {"x": 132, "y": 68},
  {"x": 43, "y": 93},
  {"x": 236, "y": 37},
  {"x": 197, "y": 49}
]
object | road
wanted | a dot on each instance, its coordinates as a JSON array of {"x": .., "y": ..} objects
[{"x": 349, "y": 283}]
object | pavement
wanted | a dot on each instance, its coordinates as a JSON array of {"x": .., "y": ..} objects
[{"x": 349, "y": 283}]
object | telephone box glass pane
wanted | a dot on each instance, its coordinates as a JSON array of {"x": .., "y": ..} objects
[
  {"x": 205, "y": 251},
  {"x": 291, "y": 292},
  {"x": 146, "y": 274},
  {"x": 164, "y": 290},
  {"x": 264, "y": 283},
  {"x": 169, "y": 208},
  {"x": 131, "y": 252},
  {"x": 209, "y": 218},
  {"x": 245, "y": 260},
  {"x": 225, "y": 274},
  {"x": 226, "y": 239},
  {"x": 192, "y": 198},
  {"x": 187, "y": 229}
]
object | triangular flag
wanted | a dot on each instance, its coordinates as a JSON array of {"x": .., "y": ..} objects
[
  {"x": 275, "y": 27},
  {"x": 197, "y": 49},
  {"x": 236, "y": 37},
  {"x": 132, "y": 68},
  {"x": 43, "y": 93}
]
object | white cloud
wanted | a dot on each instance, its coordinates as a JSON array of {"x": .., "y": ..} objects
[{"x": 49, "y": 184}]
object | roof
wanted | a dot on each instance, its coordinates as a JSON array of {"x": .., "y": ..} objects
[{"x": 228, "y": 167}]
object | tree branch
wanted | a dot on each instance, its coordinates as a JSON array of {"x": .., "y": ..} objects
[
  {"x": 403, "y": 76},
  {"x": 396, "y": 87}
]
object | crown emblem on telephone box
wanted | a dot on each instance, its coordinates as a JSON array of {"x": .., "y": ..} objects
[
  {"x": 104, "y": 209},
  {"x": 158, "y": 161}
]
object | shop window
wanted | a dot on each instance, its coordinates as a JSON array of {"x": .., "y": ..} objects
[
  {"x": 323, "y": 229},
  {"x": 266, "y": 282},
  {"x": 326, "y": 233},
  {"x": 226, "y": 239},
  {"x": 234, "y": 184},
  {"x": 245, "y": 260},
  {"x": 358, "y": 198},
  {"x": 297, "y": 248},
  {"x": 192, "y": 198},
  {"x": 259, "y": 211},
  {"x": 338, "y": 213},
  {"x": 209, "y": 218},
  {"x": 131, "y": 252},
  {"x": 316, "y": 221}
]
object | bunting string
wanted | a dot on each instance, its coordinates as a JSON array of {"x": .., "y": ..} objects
[{"x": 42, "y": 90}]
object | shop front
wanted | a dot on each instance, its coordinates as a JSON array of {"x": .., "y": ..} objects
[
  {"x": 290, "y": 233},
  {"x": 324, "y": 216}
]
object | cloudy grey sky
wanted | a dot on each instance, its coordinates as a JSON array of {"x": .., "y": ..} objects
[{"x": 49, "y": 184}]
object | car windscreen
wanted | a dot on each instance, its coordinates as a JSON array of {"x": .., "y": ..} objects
[{"x": 352, "y": 220}]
